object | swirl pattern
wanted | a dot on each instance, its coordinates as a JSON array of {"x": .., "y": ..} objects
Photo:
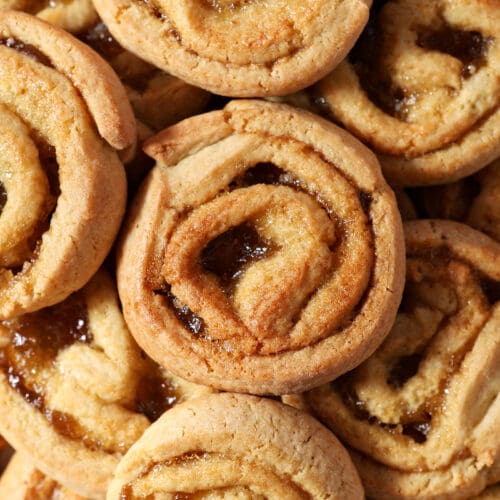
[
  {"x": 422, "y": 88},
  {"x": 245, "y": 48},
  {"x": 201, "y": 447},
  {"x": 62, "y": 186},
  {"x": 76, "y": 392},
  {"x": 423, "y": 411},
  {"x": 261, "y": 244}
]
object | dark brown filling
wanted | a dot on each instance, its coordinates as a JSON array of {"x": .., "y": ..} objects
[
  {"x": 229, "y": 254},
  {"x": 101, "y": 40},
  {"x": 36, "y": 339},
  {"x": 190, "y": 319},
  {"x": 469, "y": 47},
  {"x": 27, "y": 49},
  {"x": 3, "y": 197},
  {"x": 490, "y": 288},
  {"x": 367, "y": 57},
  {"x": 265, "y": 173},
  {"x": 403, "y": 369},
  {"x": 155, "y": 395}
]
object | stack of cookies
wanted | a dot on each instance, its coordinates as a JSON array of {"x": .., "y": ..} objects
[{"x": 291, "y": 295}]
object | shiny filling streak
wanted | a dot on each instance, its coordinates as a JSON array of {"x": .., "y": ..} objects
[{"x": 35, "y": 341}]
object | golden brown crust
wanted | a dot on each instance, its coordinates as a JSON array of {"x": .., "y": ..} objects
[
  {"x": 259, "y": 336},
  {"x": 74, "y": 201},
  {"x": 202, "y": 446},
  {"x": 421, "y": 88},
  {"x": 422, "y": 413},
  {"x": 246, "y": 49}
]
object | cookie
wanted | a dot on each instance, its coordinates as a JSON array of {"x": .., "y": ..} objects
[
  {"x": 201, "y": 447},
  {"x": 422, "y": 89},
  {"x": 22, "y": 481},
  {"x": 240, "y": 48},
  {"x": 75, "y": 390},
  {"x": 474, "y": 200},
  {"x": 263, "y": 253},
  {"x": 422, "y": 414},
  {"x": 64, "y": 114}
]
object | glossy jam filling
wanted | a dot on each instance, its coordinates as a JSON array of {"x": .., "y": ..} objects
[
  {"x": 27, "y": 49},
  {"x": 186, "y": 458},
  {"x": 228, "y": 255},
  {"x": 187, "y": 317},
  {"x": 3, "y": 197},
  {"x": 367, "y": 57},
  {"x": 155, "y": 395},
  {"x": 35, "y": 340},
  {"x": 469, "y": 47}
]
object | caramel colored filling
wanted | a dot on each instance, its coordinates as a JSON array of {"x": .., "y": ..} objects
[
  {"x": 368, "y": 59},
  {"x": 228, "y": 255},
  {"x": 155, "y": 395},
  {"x": 27, "y": 49},
  {"x": 35, "y": 340},
  {"x": 470, "y": 47},
  {"x": 191, "y": 456}
]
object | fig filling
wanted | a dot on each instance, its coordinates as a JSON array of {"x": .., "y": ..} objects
[
  {"x": 155, "y": 395},
  {"x": 35, "y": 340},
  {"x": 3, "y": 196},
  {"x": 27, "y": 50}
]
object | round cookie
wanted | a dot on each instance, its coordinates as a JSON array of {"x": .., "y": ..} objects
[
  {"x": 75, "y": 390},
  {"x": 241, "y": 48},
  {"x": 263, "y": 253},
  {"x": 64, "y": 114},
  {"x": 422, "y": 414},
  {"x": 422, "y": 89},
  {"x": 202, "y": 446}
]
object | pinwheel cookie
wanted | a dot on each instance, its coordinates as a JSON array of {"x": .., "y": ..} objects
[
  {"x": 75, "y": 390},
  {"x": 422, "y": 414},
  {"x": 22, "y": 481},
  {"x": 202, "y": 448},
  {"x": 263, "y": 252},
  {"x": 239, "y": 48},
  {"x": 422, "y": 88},
  {"x": 62, "y": 187},
  {"x": 474, "y": 200}
]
